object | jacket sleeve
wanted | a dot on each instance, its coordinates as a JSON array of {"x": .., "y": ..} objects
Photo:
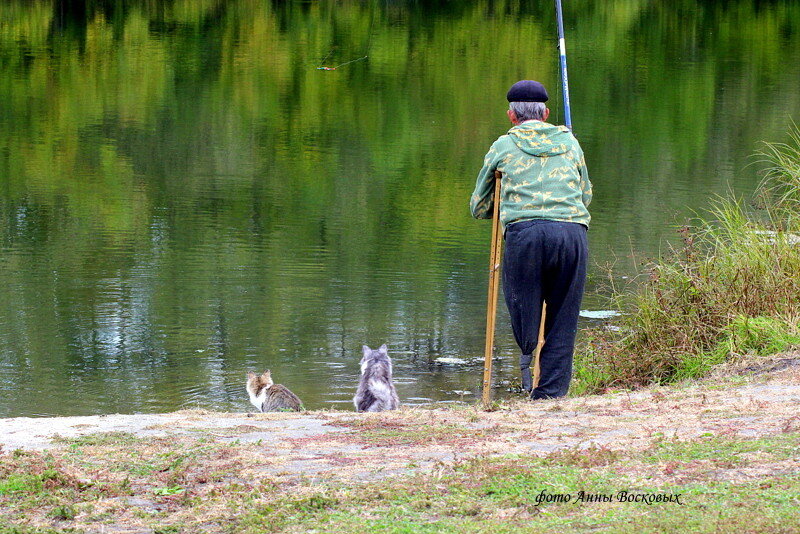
[
  {"x": 586, "y": 184},
  {"x": 482, "y": 201}
]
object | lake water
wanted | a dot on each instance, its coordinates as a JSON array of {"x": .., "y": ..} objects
[{"x": 185, "y": 196}]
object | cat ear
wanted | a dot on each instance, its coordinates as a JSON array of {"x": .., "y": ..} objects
[
  {"x": 367, "y": 351},
  {"x": 384, "y": 349},
  {"x": 250, "y": 374},
  {"x": 267, "y": 373}
]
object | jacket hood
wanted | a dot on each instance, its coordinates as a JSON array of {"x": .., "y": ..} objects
[{"x": 541, "y": 138}]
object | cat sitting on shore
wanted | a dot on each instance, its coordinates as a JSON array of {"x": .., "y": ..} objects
[
  {"x": 270, "y": 397},
  {"x": 376, "y": 391}
]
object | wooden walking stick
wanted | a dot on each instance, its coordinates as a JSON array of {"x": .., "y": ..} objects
[
  {"x": 537, "y": 371},
  {"x": 494, "y": 284}
]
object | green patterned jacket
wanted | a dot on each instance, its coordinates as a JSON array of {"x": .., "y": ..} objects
[{"x": 544, "y": 176}]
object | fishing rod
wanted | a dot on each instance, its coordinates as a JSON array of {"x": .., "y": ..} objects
[{"x": 562, "y": 55}]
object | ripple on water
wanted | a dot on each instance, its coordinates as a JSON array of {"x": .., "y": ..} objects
[{"x": 404, "y": 379}]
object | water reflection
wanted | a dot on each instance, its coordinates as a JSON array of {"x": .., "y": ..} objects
[{"x": 185, "y": 197}]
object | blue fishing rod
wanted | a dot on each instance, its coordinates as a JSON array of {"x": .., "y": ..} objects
[
  {"x": 562, "y": 54},
  {"x": 530, "y": 382}
]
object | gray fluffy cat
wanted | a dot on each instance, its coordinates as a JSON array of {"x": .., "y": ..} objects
[
  {"x": 375, "y": 389},
  {"x": 270, "y": 397}
]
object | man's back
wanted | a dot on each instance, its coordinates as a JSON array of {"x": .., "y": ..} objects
[{"x": 544, "y": 176}]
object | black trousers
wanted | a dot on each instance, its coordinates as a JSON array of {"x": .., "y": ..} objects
[{"x": 545, "y": 261}]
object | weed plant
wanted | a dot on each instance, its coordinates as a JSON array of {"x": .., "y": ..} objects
[{"x": 733, "y": 288}]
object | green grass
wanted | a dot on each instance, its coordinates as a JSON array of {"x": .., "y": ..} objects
[
  {"x": 123, "y": 453},
  {"x": 20, "y": 484},
  {"x": 387, "y": 433},
  {"x": 479, "y": 494},
  {"x": 31, "y": 483},
  {"x": 63, "y": 513},
  {"x": 500, "y": 495},
  {"x": 758, "y": 336},
  {"x": 171, "y": 490},
  {"x": 21, "y": 529},
  {"x": 40, "y": 481},
  {"x": 776, "y": 448},
  {"x": 732, "y": 289},
  {"x": 780, "y": 191},
  {"x": 100, "y": 439}
]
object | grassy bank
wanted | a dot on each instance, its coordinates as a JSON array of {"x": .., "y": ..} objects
[
  {"x": 732, "y": 288},
  {"x": 118, "y": 481},
  {"x": 478, "y": 495},
  {"x": 717, "y": 456}
]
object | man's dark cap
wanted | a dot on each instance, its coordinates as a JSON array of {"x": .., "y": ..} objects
[{"x": 527, "y": 91}]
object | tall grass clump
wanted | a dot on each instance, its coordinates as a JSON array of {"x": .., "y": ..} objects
[
  {"x": 780, "y": 190},
  {"x": 733, "y": 288}
]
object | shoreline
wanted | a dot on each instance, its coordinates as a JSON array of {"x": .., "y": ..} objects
[
  {"x": 200, "y": 471},
  {"x": 41, "y": 433}
]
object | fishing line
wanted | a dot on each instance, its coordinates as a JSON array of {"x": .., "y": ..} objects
[
  {"x": 556, "y": 111},
  {"x": 341, "y": 64},
  {"x": 327, "y": 55},
  {"x": 366, "y": 48}
]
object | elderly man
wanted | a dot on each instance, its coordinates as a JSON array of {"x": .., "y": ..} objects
[{"x": 545, "y": 191}]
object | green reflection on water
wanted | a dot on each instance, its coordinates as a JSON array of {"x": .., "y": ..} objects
[{"x": 184, "y": 196}]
